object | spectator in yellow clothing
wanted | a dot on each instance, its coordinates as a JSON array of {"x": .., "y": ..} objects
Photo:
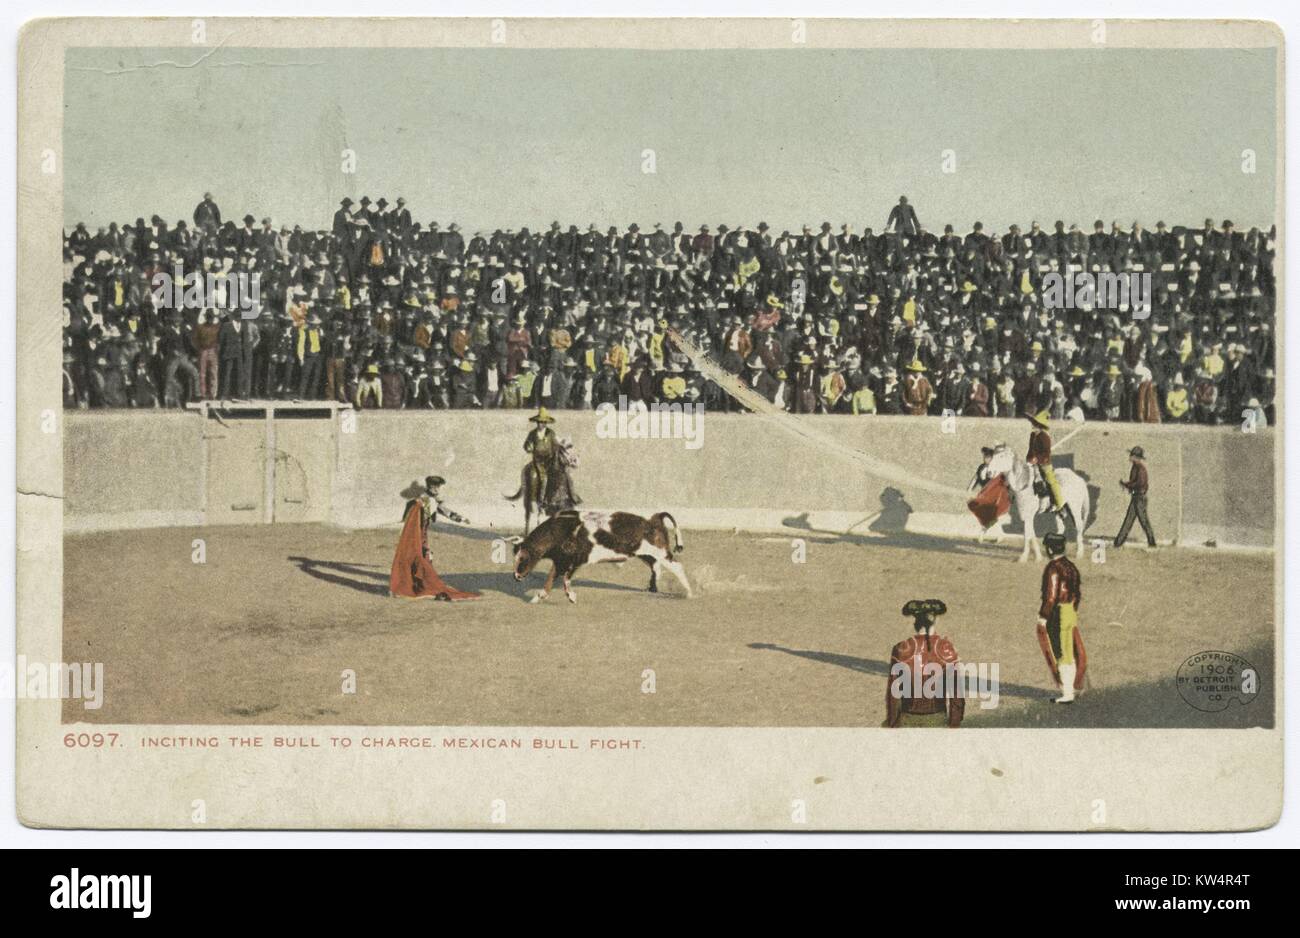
[
  {"x": 747, "y": 269},
  {"x": 616, "y": 357},
  {"x": 588, "y": 359},
  {"x": 1177, "y": 406},
  {"x": 310, "y": 360},
  {"x": 673, "y": 388},
  {"x": 657, "y": 344},
  {"x": 864, "y": 402},
  {"x": 528, "y": 372},
  {"x": 370, "y": 390},
  {"x": 832, "y": 389},
  {"x": 1212, "y": 362},
  {"x": 298, "y": 307},
  {"x": 560, "y": 339}
]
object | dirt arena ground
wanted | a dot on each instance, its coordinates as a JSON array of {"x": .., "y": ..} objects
[{"x": 262, "y": 631}]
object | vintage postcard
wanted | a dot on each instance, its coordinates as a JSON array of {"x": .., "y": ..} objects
[{"x": 650, "y": 424}]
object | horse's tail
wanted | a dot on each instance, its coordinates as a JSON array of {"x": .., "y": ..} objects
[
  {"x": 523, "y": 486},
  {"x": 670, "y": 522},
  {"x": 1085, "y": 506}
]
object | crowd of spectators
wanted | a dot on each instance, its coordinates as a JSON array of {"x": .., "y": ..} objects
[{"x": 382, "y": 311}]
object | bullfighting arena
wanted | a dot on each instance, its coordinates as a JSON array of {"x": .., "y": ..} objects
[
  {"x": 799, "y": 561},
  {"x": 262, "y": 632}
]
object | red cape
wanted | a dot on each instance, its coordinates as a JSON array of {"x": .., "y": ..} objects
[
  {"x": 413, "y": 575},
  {"x": 993, "y": 501},
  {"x": 1080, "y": 656}
]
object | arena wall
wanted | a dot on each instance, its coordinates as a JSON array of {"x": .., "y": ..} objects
[
  {"x": 125, "y": 470},
  {"x": 133, "y": 470}
]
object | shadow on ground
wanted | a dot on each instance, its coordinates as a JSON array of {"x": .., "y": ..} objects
[
  {"x": 895, "y": 537},
  {"x": 1146, "y": 705},
  {"x": 370, "y": 578},
  {"x": 881, "y": 669}
]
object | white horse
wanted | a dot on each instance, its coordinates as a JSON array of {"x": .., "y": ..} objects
[{"x": 1020, "y": 478}]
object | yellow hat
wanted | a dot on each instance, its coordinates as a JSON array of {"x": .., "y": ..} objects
[
  {"x": 542, "y": 416},
  {"x": 916, "y": 365},
  {"x": 873, "y": 299},
  {"x": 968, "y": 287},
  {"x": 1040, "y": 419},
  {"x": 1113, "y": 371},
  {"x": 1076, "y": 372}
]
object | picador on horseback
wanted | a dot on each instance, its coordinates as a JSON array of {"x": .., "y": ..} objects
[
  {"x": 1040, "y": 455},
  {"x": 546, "y": 485}
]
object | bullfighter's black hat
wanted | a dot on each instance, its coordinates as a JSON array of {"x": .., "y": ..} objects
[{"x": 919, "y": 607}]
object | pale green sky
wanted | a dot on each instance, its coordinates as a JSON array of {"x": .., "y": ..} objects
[{"x": 511, "y": 137}]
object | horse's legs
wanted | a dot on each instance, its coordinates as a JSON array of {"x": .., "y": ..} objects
[
  {"x": 1078, "y": 528},
  {"x": 1028, "y": 512},
  {"x": 1033, "y": 534}
]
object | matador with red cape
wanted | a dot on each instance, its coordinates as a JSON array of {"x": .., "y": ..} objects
[{"x": 413, "y": 576}]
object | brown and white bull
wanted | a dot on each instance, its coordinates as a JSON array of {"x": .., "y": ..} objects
[{"x": 570, "y": 539}]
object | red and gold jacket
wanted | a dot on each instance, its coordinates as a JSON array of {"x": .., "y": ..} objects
[
  {"x": 1040, "y": 448},
  {"x": 1060, "y": 586},
  {"x": 916, "y": 654}
]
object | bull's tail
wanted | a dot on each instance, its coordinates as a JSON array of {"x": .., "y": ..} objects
[
  {"x": 671, "y": 522},
  {"x": 515, "y": 497}
]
